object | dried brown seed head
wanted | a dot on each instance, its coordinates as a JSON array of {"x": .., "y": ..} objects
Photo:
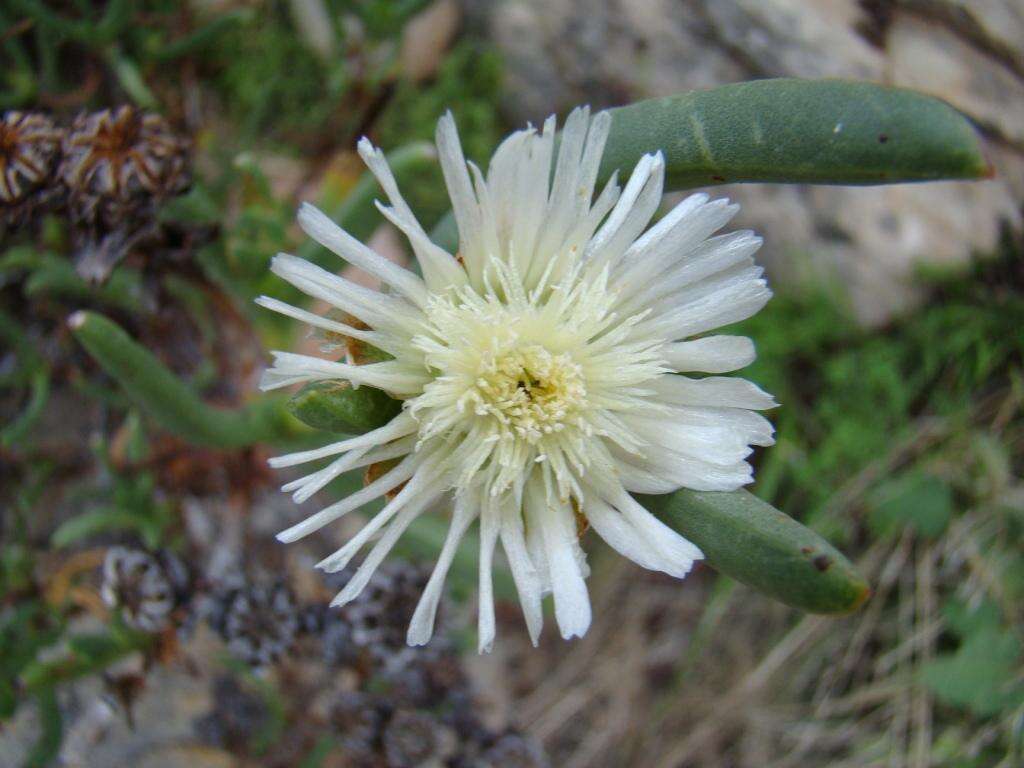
[
  {"x": 114, "y": 159},
  {"x": 136, "y": 582},
  {"x": 29, "y": 145}
]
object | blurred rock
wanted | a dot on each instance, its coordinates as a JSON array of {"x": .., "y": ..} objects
[
  {"x": 931, "y": 59},
  {"x": 559, "y": 53},
  {"x": 995, "y": 25},
  {"x": 795, "y": 38}
]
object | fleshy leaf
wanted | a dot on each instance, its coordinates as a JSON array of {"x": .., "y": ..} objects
[
  {"x": 170, "y": 401},
  {"x": 336, "y": 406},
  {"x": 797, "y": 131},
  {"x": 751, "y": 541}
]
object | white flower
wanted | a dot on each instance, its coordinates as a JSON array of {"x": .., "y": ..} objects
[{"x": 538, "y": 368}]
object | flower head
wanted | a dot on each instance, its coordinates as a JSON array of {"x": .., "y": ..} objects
[{"x": 538, "y": 368}]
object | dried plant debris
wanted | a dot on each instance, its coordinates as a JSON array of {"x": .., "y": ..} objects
[
  {"x": 108, "y": 173},
  {"x": 351, "y": 682}
]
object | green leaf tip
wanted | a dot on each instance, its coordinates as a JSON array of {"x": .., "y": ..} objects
[
  {"x": 336, "y": 406},
  {"x": 171, "y": 402},
  {"x": 797, "y": 131},
  {"x": 751, "y": 541}
]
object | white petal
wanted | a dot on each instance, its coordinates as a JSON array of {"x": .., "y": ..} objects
[
  {"x": 558, "y": 530},
  {"x": 720, "y": 391},
  {"x": 733, "y": 303},
  {"x": 597, "y": 250},
  {"x": 321, "y": 322},
  {"x": 597, "y": 136},
  {"x": 377, "y": 310},
  {"x": 715, "y": 443},
  {"x": 561, "y": 207},
  {"x": 664, "y": 539},
  {"x": 661, "y": 470},
  {"x": 305, "y": 487},
  {"x": 440, "y": 269},
  {"x": 422, "y": 487},
  {"x": 752, "y": 428},
  {"x": 421, "y": 628},
  {"x": 386, "y": 482},
  {"x": 624, "y": 538},
  {"x": 524, "y": 574},
  {"x": 403, "y": 424},
  {"x": 290, "y": 368},
  {"x": 460, "y": 192},
  {"x": 670, "y": 242},
  {"x": 712, "y": 354},
  {"x": 378, "y": 165},
  {"x": 320, "y": 227},
  {"x": 631, "y": 214},
  {"x": 490, "y": 524},
  {"x": 380, "y": 550}
]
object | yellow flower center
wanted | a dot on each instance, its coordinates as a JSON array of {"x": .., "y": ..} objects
[{"x": 530, "y": 391}]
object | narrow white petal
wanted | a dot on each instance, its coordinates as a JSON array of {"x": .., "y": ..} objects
[
  {"x": 421, "y": 627},
  {"x": 597, "y": 136},
  {"x": 380, "y": 550},
  {"x": 558, "y": 530},
  {"x": 670, "y": 242},
  {"x": 624, "y": 538},
  {"x": 320, "y": 322},
  {"x": 403, "y": 424},
  {"x": 731, "y": 305},
  {"x": 460, "y": 191},
  {"x": 490, "y": 524},
  {"x": 440, "y": 269},
  {"x": 290, "y": 368},
  {"x": 712, "y": 354},
  {"x": 420, "y": 488},
  {"x": 632, "y": 213},
  {"x": 378, "y": 165},
  {"x": 305, "y": 487},
  {"x": 320, "y": 227},
  {"x": 561, "y": 203},
  {"x": 720, "y": 391},
  {"x": 378, "y": 310},
  {"x": 638, "y": 180},
  {"x": 751, "y": 427},
  {"x": 524, "y": 574},
  {"x": 386, "y": 482},
  {"x": 664, "y": 539}
]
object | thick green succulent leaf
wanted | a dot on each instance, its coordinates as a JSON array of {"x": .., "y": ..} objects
[
  {"x": 170, "y": 401},
  {"x": 337, "y": 406},
  {"x": 751, "y": 541},
  {"x": 804, "y": 131}
]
